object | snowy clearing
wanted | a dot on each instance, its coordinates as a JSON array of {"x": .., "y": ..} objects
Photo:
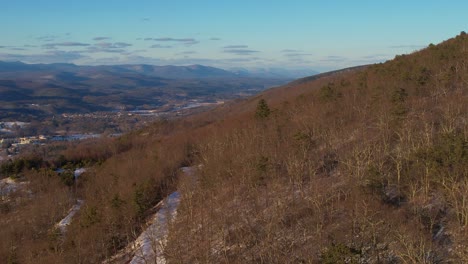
[
  {"x": 77, "y": 173},
  {"x": 13, "y": 124},
  {"x": 149, "y": 246},
  {"x": 9, "y": 186},
  {"x": 62, "y": 225}
]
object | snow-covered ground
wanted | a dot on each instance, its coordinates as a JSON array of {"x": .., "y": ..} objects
[
  {"x": 149, "y": 246},
  {"x": 75, "y": 137},
  {"x": 77, "y": 173},
  {"x": 188, "y": 171},
  {"x": 62, "y": 225},
  {"x": 12, "y": 124},
  {"x": 7, "y": 127},
  {"x": 9, "y": 186}
]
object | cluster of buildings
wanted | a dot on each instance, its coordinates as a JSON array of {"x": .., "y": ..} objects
[
  {"x": 22, "y": 140},
  {"x": 11, "y": 146}
]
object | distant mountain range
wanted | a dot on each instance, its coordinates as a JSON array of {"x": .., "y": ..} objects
[
  {"x": 11, "y": 69},
  {"x": 274, "y": 72},
  {"x": 38, "y": 90}
]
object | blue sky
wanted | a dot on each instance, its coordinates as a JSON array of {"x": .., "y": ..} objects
[{"x": 320, "y": 35}]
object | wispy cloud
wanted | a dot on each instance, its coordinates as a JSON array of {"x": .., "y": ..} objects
[
  {"x": 108, "y": 60},
  {"x": 175, "y": 39},
  {"x": 95, "y": 49},
  {"x": 116, "y": 45},
  {"x": 136, "y": 59},
  {"x": 17, "y": 48},
  {"x": 53, "y": 56},
  {"x": 66, "y": 56},
  {"x": 298, "y": 54},
  {"x": 101, "y": 38},
  {"x": 185, "y": 41},
  {"x": 215, "y": 39},
  {"x": 240, "y": 51},
  {"x": 376, "y": 56},
  {"x": 122, "y": 44},
  {"x": 121, "y": 56},
  {"x": 189, "y": 52},
  {"x": 334, "y": 58},
  {"x": 159, "y": 46},
  {"x": 47, "y": 38},
  {"x": 235, "y": 47},
  {"x": 299, "y": 60},
  {"x": 106, "y": 50},
  {"x": 407, "y": 47},
  {"x": 145, "y": 19},
  {"x": 290, "y": 51},
  {"x": 186, "y": 60},
  {"x": 250, "y": 59},
  {"x": 293, "y": 54},
  {"x": 64, "y": 44}
]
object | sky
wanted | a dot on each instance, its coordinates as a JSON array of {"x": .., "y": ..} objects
[{"x": 293, "y": 34}]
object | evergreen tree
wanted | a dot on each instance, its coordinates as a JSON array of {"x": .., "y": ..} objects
[{"x": 263, "y": 110}]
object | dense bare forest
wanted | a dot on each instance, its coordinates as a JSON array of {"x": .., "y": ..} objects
[{"x": 368, "y": 165}]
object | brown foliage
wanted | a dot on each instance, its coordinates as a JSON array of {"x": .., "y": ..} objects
[{"x": 366, "y": 165}]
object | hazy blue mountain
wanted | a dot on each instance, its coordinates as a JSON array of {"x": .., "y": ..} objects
[
  {"x": 40, "y": 90},
  {"x": 283, "y": 73},
  {"x": 168, "y": 72}
]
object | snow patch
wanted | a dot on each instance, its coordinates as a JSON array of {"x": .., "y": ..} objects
[
  {"x": 62, "y": 225},
  {"x": 150, "y": 244},
  {"x": 77, "y": 173},
  {"x": 188, "y": 171},
  {"x": 9, "y": 186},
  {"x": 13, "y": 124},
  {"x": 75, "y": 137}
]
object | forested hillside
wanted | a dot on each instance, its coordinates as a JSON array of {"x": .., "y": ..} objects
[
  {"x": 365, "y": 166},
  {"x": 368, "y": 165}
]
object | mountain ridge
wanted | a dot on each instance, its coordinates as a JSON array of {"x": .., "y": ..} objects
[
  {"x": 194, "y": 71},
  {"x": 26, "y": 89}
]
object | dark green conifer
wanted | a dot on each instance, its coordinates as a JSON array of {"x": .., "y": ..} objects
[{"x": 263, "y": 110}]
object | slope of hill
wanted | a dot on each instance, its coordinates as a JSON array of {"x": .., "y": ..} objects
[
  {"x": 361, "y": 166},
  {"x": 368, "y": 165}
]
